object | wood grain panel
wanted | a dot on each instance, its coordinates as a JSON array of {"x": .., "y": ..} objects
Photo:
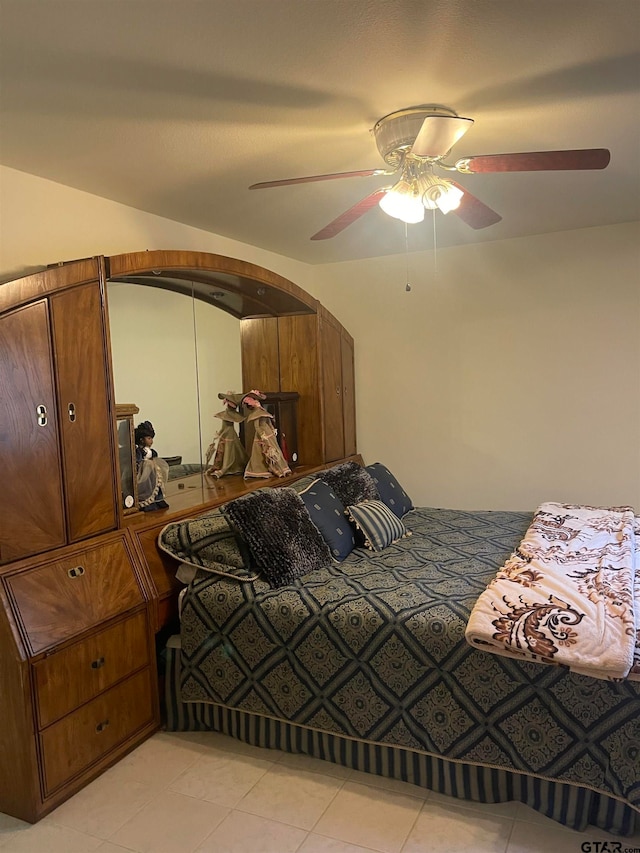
[
  {"x": 63, "y": 598},
  {"x": 161, "y": 566},
  {"x": 75, "y": 742},
  {"x": 31, "y": 497},
  {"x": 56, "y": 277},
  {"x": 332, "y": 392},
  {"x": 260, "y": 357},
  {"x": 72, "y": 676},
  {"x": 298, "y": 339},
  {"x": 19, "y": 789},
  {"x": 348, "y": 395},
  {"x": 244, "y": 274},
  {"x": 87, "y": 440}
]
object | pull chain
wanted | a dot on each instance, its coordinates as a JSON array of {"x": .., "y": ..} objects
[
  {"x": 435, "y": 245},
  {"x": 406, "y": 254}
]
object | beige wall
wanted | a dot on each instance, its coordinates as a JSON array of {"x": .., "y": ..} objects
[
  {"x": 510, "y": 376},
  {"x": 42, "y": 222}
]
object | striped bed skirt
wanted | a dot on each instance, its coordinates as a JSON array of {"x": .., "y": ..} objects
[{"x": 571, "y": 805}]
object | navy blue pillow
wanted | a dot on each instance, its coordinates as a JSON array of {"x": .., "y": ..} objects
[
  {"x": 391, "y": 492},
  {"x": 328, "y": 514}
]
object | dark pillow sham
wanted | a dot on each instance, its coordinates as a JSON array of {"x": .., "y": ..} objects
[
  {"x": 350, "y": 483},
  {"x": 328, "y": 515},
  {"x": 391, "y": 492},
  {"x": 283, "y": 540}
]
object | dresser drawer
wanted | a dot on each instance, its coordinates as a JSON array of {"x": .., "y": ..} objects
[
  {"x": 78, "y": 740},
  {"x": 60, "y": 599},
  {"x": 76, "y": 674}
]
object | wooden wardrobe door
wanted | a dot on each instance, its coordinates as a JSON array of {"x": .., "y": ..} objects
[
  {"x": 298, "y": 341},
  {"x": 348, "y": 396},
  {"x": 260, "y": 357},
  {"x": 85, "y": 425},
  {"x": 332, "y": 392},
  {"x": 31, "y": 501}
]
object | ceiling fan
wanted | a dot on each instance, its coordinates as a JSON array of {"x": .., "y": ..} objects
[{"x": 414, "y": 143}]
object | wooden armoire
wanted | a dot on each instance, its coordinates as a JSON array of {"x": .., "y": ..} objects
[{"x": 83, "y": 588}]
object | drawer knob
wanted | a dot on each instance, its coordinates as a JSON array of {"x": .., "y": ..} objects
[
  {"x": 102, "y": 726},
  {"x": 76, "y": 572},
  {"x": 97, "y": 663}
]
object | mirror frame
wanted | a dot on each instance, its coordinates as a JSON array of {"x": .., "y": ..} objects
[{"x": 241, "y": 288}]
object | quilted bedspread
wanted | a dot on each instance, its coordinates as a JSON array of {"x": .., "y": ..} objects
[
  {"x": 374, "y": 648},
  {"x": 567, "y": 594}
]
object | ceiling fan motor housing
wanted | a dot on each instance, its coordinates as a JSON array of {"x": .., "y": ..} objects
[{"x": 396, "y": 132}]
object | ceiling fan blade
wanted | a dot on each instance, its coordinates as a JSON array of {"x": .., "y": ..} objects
[
  {"x": 362, "y": 173},
  {"x": 474, "y": 212},
  {"x": 349, "y": 216},
  {"x": 438, "y": 134},
  {"x": 536, "y": 161}
]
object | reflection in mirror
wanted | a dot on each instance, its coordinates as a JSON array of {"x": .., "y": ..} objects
[
  {"x": 126, "y": 467},
  {"x": 171, "y": 355},
  {"x": 126, "y": 457}
]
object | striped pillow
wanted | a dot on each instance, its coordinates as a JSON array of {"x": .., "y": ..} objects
[{"x": 380, "y": 526}]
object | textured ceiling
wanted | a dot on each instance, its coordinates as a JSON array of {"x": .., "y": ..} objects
[{"x": 177, "y": 107}]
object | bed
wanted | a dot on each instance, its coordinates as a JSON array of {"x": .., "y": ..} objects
[
  {"x": 178, "y": 470},
  {"x": 364, "y": 662}
]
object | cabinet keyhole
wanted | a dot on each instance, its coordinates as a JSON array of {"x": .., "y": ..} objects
[
  {"x": 97, "y": 664},
  {"x": 76, "y": 572},
  {"x": 41, "y": 412},
  {"x": 72, "y": 412},
  {"x": 102, "y": 726}
]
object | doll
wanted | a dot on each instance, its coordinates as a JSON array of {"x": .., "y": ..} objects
[
  {"x": 151, "y": 471},
  {"x": 229, "y": 456},
  {"x": 266, "y": 456}
]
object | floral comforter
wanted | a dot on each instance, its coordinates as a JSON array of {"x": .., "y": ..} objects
[{"x": 569, "y": 594}]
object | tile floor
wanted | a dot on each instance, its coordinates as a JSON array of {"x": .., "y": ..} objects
[{"x": 187, "y": 792}]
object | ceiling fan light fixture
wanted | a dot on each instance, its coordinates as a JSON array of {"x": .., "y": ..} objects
[
  {"x": 449, "y": 200},
  {"x": 439, "y": 193},
  {"x": 403, "y": 202}
]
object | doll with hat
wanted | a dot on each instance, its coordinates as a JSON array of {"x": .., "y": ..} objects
[
  {"x": 226, "y": 450},
  {"x": 228, "y": 454},
  {"x": 267, "y": 459}
]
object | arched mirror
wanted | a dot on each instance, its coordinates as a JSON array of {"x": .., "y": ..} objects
[
  {"x": 171, "y": 355},
  {"x": 175, "y": 340}
]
